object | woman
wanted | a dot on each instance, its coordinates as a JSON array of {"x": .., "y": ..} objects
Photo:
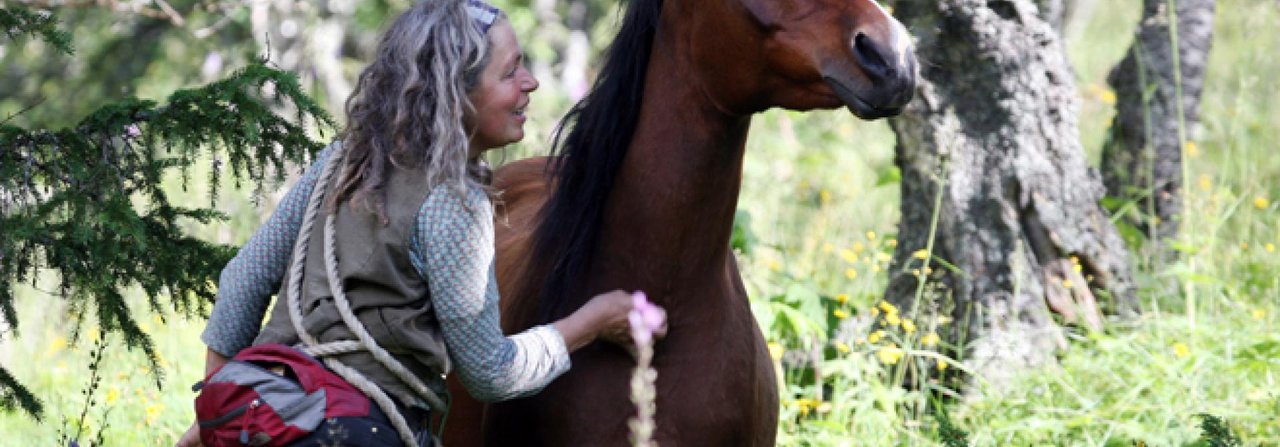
[{"x": 414, "y": 224}]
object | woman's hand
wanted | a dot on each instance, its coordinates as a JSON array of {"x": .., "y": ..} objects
[
  {"x": 604, "y": 317},
  {"x": 191, "y": 438}
]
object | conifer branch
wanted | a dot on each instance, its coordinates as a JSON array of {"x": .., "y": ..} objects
[
  {"x": 87, "y": 202},
  {"x": 17, "y": 21}
]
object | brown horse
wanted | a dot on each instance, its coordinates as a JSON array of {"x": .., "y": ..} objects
[{"x": 641, "y": 196}]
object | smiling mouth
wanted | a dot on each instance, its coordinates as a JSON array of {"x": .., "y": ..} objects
[{"x": 858, "y": 106}]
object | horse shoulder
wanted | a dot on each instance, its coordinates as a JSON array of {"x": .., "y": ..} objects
[{"x": 524, "y": 188}]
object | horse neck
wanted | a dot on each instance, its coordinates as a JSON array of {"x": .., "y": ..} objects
[{"x": 671, "y": 211}]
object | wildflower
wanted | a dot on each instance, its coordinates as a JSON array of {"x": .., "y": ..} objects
[
  {"x": 892, "y": 319},
  {"x": 849, "y": 256},
  {"x": 942, "y": 365},
  {"x": 645, "y": 319},
  {"x": 840, "y": 314},
  {"x": 930, "y": 339},
  {"x": 1261, "y": 203},
  {"x": 889, "y": 354},
  {"x": 776, "y": 350},
  {"x": 920, "y": 254},
  {"x": 892, "y": 243},
  {"x": 1271, "y": 248},
  {"x": 858, "y": 247},
  {"x": 883, "y": 257},
  {"x": 1244, "y": 245},
  {"x": 1191, "y": 148},
  {"x": 908, "y": 326},
  {"x": 875, "y": 311},
  {"x": 871, "y": 235},
  {"x": 875, "y": 336},
  {"x": 113, "y": 395},
  {"x": 851, "y": 273},
  {"x": 1108, "y": 97},
  {"x": 153, "y": 412},
  {"x": 824, "y": 196},
  {"x": 1181, "y": 350},
  {"x": 842, "y": 348},
  {"x": 1066, "y": 283},
  {"x": 1259, "y": 314},
  {"x": 1205, "y": 182},
  {"x": 828, "y": 248},
  {"x": 56, "y": 345},
  {"x": 774, "y": 265},
  {"x": 888, "y": 307},
  {"x": 875, "y": 268},
  {"x": 943, "y": 319},
  {"x": 842, "y": 298}
]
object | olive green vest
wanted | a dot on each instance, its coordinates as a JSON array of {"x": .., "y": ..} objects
[{"x": 385, "y": 290}]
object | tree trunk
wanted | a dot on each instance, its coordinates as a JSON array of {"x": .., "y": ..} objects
[
  {"x": 1019, "y": 220},
  {"x": 1142, "y": 161}
]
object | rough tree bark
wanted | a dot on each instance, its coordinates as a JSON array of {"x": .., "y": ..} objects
[
  {"x": 995, "y": 119},
  {"x": 1142, "y": 161}
]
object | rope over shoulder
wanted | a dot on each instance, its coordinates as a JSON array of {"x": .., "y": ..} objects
[{"x": 364, "y": 341}]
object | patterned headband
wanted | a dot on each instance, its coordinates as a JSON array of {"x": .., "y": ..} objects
[{"x": 484, "y": 14}]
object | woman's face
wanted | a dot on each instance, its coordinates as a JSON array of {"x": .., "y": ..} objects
[{"x": 502, "y": 94}]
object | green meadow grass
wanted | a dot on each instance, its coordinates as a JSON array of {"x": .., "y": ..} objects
[{"x": 818, "y": 211}]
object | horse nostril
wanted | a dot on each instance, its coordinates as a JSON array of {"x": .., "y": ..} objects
[{"x": 873, "y": 57}]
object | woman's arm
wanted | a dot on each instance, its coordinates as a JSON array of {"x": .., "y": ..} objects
[
  {"x": 250, "y": 279},
  {"x": 453, "y": 250}
]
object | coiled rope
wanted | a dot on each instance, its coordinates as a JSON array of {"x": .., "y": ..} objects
[{"x": 364, "y": 341}]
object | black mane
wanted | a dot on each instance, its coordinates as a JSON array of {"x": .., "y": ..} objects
[{"x": 585, "y": 162}]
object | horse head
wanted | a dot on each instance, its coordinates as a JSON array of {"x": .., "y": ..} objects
[{"x": 800, "y": 54}]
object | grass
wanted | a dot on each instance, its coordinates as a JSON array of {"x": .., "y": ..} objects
[{"x": 822, "y": 198}]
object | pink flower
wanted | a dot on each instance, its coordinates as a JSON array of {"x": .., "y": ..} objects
[{"x": 645, "y": 318}]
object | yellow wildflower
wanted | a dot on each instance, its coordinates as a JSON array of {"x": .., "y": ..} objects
[
  {"x": 871, "y": 235},
  {"x": 842, "y": 348},
  {"x": 113, "y": 395},
  {"x": 875, "y": 311},
  {"x": 851, "y": 273},
  {"x": 1259, "y": 314},
  {"x": 889, "y": 354},
  {"x": 892, "y": 243},
  {"x": 920, "y": 254},
  {"x": 875, "y": 268},
  {"x": 153, "y": 412},
  {"x": 888, "y": 307},
  {"x": 892, "y": 319},
  {"x": 930, "y": 339},
  {"x": 1108, "y": 97},
  {"x": 943, "y": 319},
  {"x": 828, "y": 248},
  {"x": 824, "y": 196},
  {"x": 849, "y": 256},
  {"x": 1181, "y": 350},
  {"x": 1206, "y": 183},
  {"x": 1261, "y": 203},
  {"x": 875, "y": 336},
  {"x": 775, "y": 265},
  {"x": 858, "y": 247},
  {"x": 776, "y": 350},
  {"x": 942, "y": 365},
  {"x": 842, "y": 298},
  {"x": 1191, "y": 148},
  {"x": 56, "y": 345},
  {"x": 883, "y": 257},
  {"x": 1271, "y": 248},
  {"x": 840, "y": 313},
  {"x": 1244, "y": 245},
  {"x": 908, "y": 325}
]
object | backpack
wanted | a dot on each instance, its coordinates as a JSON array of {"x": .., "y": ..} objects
[{"x": 271, "y": 395}]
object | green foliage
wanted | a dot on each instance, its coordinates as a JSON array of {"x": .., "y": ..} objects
[
  {"x": 87, "y": 201},
  {"x": 17, "y": 20},
  {"x": 949, "y": 435},
  {"x": 1217, "y": 433}
]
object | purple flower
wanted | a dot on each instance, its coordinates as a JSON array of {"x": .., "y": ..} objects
[{"x": 645, "y": 318}]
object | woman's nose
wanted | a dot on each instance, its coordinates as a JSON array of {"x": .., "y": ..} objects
[{"x": 530, "y": 82}]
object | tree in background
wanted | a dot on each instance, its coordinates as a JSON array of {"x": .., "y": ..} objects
[
  {"x": 991, "y": 147},
  {"x": 85, "y": 201},
  {"x": 1157, "y": 110}
]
